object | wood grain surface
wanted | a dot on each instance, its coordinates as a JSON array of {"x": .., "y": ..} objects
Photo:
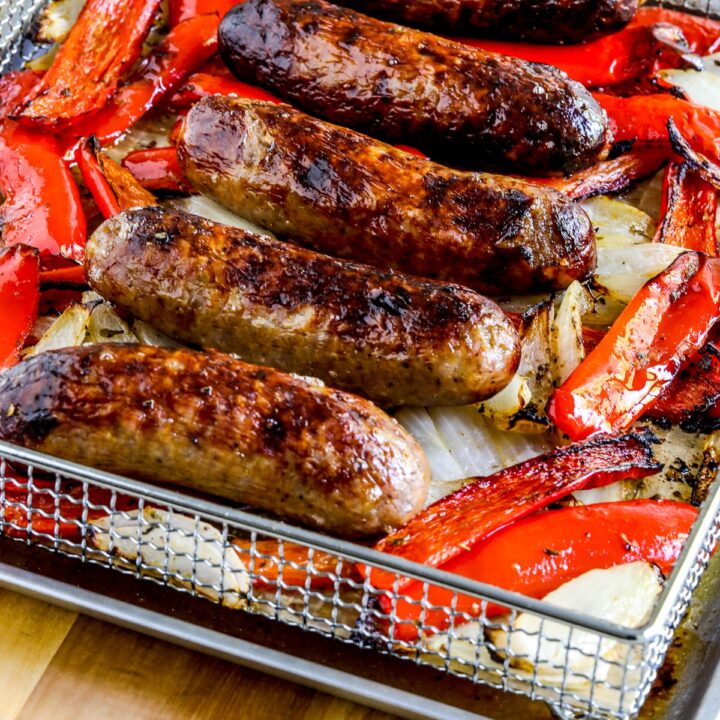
[{"x": 57, "y": 665}]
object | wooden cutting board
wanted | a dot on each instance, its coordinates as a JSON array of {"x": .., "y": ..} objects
[{"x": 57, "y": 665}]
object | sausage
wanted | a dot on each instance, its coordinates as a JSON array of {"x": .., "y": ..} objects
[
  {"x": 395, "y": 339},
  {"x": 549, "y": 21},
  {"x": 347, "y": 195},
  {"x": 277, "y": 442},
  {"x": 460, "y": 105}
]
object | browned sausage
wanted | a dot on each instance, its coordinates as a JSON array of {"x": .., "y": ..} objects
[
  {"x": 550, "y": 21},
  {"x": 350, "y": 196},
  {"x": 392, "y": 338},
  {"x": 256, "y": 436},
  {"x": 459, "y": 104}
]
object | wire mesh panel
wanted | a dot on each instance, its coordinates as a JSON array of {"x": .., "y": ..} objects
[
  {"x": 326, "y": 586},
  {"x": 251, "y": 564}
]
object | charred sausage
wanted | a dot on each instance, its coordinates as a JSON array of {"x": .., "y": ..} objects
[
  {"x": 550, "y": 21},
  {"x": 350, "y": 196},
  {"x": 256, "y": 436},
  {"x": 395, "y": 339},
  {"x": 459, "y": 104}
]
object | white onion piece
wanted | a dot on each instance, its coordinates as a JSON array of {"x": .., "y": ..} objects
[
  {"x": 567, "y": 338},
  {"x": 175, "y": 544},
  {"x": 614, "y": 492},
  {"x": 57, "y": 19},
  {"x": 514, "y": 448},
  {"x": 647, "y": 195},
  {"x": 624, "y": 595},
  {"x": 148, "y": 335},
  {"x": 209, "y": 209},
  {"x": 106, "y": 326},
  {"x": 69, "y": 330},
  {"x": 532, "y": 383},
  {"x": 712, "y": 64},
  {"x": 418, "y": 423},
  {"x": 623, "y": 271},
  {"x": 467, "y": 436},
  {"x": 701, "y": 88},
  {"x": 459, "y": 444},
  {"x": 618, "y": 224}
]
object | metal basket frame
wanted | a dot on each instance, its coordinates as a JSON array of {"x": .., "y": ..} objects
[
  {"x": 637, "y": 652},
  {"x": 643, "y": 648}
]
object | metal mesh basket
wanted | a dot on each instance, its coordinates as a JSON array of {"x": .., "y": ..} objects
[
  {"x": 575, "y": 662},
  {"x": 301, "y": 578}
]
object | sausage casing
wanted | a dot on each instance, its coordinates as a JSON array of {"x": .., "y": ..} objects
[
  {"x": 215, "y": 424},
  {"x": 396, "y": 339},
  {"x": 345, "y": 194},
  {"x": 459, "y": 104},
  {"x": 549, "y": 21}
]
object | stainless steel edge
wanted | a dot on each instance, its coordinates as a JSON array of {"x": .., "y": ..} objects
[{"x": 257, "y": 657}]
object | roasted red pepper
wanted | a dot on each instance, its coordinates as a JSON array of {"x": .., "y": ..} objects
[
  {"x": 14, "y": 88},
  {"x": 71, "y": 275},
  {"x": 454, "y": 524},
  {"x": 201, "y": 85},
  {"x": 112, "y": 186},
  {"x": 692, "y": 149},
  {"x": 692, "y": 394},
  {"x": 57, "y": 508},
  {"x": 611, "y": 176},
  {"x": 631, "y": 53},
  {"x": 299, "y": 568},
  {"x": 702, "y": 34},
  {"x": 157, "y": 169},
  {"x": 664, "y": 326},
  {"x": 42, "y": 204},
  {"x": 186, "y": 47},
  {"x": 645, "y": 118},
  {"x": 101, "y": 48},
  {"x": 538, "y": 554},
  {"x": 19, "y": 298},
  {"x": 688, "y": 212},
  {"x": 185, "y": 9}
]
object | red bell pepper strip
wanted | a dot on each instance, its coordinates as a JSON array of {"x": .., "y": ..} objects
[
  {"x": 200, "y": 85},
  {"x": 67, "y": 506},
  {"x": 188, "y": 44},
  {"x": 94, "y": 179},
  {"x": 267, "y": 570},
  {"x": 662, "y": 328},
  {"x": 42, "y": 204},
  {"x": 688, "y": 211},
  {"x": 14, "y": 89},
  {"x": 19, "y": 299},
  {"x": 455, "y": 523},
  {"x": 706, "y": 166},
  {"x": 112, "y": 186},
  {"x": 157, "y": 169},
  {"x": 101, "y": 48},
  {"x": 73, "y": 275},
  {"x": 696, "y": 390},
  {"x": 645, "y": 118},
  {"x": 626, "y": 55},
  {"x": 702, "y": 34},
  {"x": 185, "y": 9},
  {"x": 540, "y": 553},
  {"x": 610, "y": 176}
]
